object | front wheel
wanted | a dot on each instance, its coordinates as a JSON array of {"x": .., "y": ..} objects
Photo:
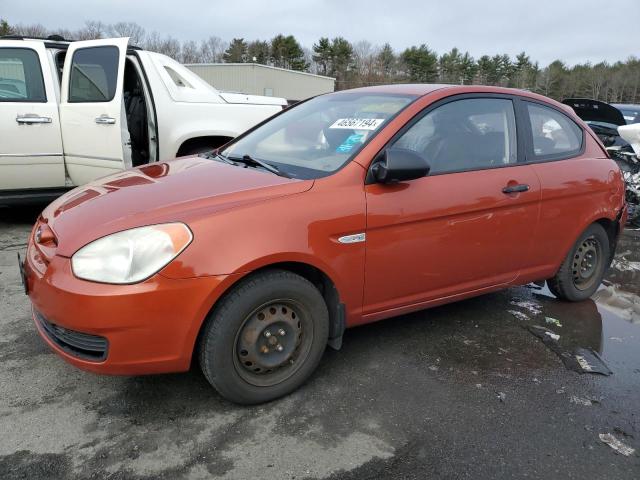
[
  {"x": 582, "y": 271},
  {"x": 265, "y": 338}
]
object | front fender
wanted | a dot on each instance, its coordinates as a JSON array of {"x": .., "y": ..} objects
[{"x": 302, "y": 227}]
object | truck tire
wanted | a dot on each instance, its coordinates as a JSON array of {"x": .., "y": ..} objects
[
  {"x": 265, "y": 337},
  {"x": 584, "y": 267}
]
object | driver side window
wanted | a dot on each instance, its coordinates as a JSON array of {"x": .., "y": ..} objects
[{"x": 467, "y": 134}]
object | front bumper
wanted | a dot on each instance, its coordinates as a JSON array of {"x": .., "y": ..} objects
[{"x": 149, "y": 327}]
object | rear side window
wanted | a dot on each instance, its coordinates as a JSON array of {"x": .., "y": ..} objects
[
  {"x": 468, "y": 134},
  {"x": 94, "y": 74},
  {"x": 554, "y": 135},
  {"x": 20, "y": 76}
]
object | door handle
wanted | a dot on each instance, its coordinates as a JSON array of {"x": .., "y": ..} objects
[
  {"x": 516, "y": 188},
  {"x": 31, "y": 118},
  {"x": 105, "y": 120}
]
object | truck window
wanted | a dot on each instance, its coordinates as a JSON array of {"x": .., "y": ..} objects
[
  {"x": 94, "y": 74},
  {"x": 177, "y": 79},
  {"x": 21, "y": 76}
]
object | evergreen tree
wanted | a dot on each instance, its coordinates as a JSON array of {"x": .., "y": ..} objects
[
  {"x": 259, "y": 51},
  {"x": 421, "y": 64},
  {"x": 286, "y": 52},
  {"x": 5, "y": 28},
  {"x": 322, "y": 55},
  {"x": 237, "y": 51},
  {"x": 387, "y": 61}
]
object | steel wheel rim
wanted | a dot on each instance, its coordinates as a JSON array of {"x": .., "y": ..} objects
[
  {"x": 586, "y": 263},
  {"x": 272, "y": 342}
]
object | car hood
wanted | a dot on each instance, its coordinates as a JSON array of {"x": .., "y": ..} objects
[
  {"x": 231, "y": 97},
  {"x": 177, "y": 190},
  {"x": 595, "y": 111}
]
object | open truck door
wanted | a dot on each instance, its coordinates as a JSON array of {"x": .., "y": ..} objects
[
  {"x": 91, "y": 109},
  {"x": 30, "y": 145}
]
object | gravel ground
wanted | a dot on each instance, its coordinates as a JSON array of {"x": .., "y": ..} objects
[{"x": 459, "y": 391}]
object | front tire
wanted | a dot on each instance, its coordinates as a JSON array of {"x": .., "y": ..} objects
[
  {"x": 265, "y": 338},
  {"x": 582, "y": 270}
]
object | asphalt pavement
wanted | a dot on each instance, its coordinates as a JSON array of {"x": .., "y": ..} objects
[{"x": 460, "y": 391}]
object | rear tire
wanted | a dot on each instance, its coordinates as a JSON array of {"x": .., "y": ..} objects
[
  {"x": 265, "y": 337},
  {"x": 584, "y": 267}
]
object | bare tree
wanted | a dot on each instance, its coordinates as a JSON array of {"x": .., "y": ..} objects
[
  {"x": 92, "y": 30},
  {"x": 212, "y": 49},
  {"x": 135, "y": 32},
  {"x": 365, "y": 59},
  {"x": 598, "y": 80},
  {"x": 308, "y": 58},
  {"x": 34, "y": 30},
  {"x": 166, "y": 45},
  {"x": 190, "y": 53}
]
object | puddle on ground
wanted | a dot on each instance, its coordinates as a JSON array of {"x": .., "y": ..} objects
[
  {"x": 623, "y": 304},
  {"x": 592, "y": 335}
]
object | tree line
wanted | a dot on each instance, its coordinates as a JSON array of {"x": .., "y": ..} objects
[{"x": 362, "y": 63}]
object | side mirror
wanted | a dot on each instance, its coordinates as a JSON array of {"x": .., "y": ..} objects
[{"x": 399, "y": 165}]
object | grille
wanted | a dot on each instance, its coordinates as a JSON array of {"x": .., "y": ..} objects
[{"x": 81, "y": 345}]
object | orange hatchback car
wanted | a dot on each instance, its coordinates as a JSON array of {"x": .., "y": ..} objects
[{"x": 345, "y": 209}]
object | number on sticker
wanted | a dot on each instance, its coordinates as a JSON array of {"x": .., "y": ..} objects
[{"x": 358, "y": 123}]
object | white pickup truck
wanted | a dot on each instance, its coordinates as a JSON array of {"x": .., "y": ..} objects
[{"x": 71, "y": 112}]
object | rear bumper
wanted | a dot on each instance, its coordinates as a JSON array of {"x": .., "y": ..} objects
[{"x": 150, "y": 327}]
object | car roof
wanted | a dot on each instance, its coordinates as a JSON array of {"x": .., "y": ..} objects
[
  {"x": 415, "y": 89},
  {"x": 422, "y": 89}
]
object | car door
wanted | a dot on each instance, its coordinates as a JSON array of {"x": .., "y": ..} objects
[
  {"x": 466, "y": 226},
  {"x": 31, "y": 146},
  {"x": 91, "y": 108}
]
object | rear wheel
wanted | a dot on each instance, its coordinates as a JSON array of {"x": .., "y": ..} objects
[
  {"x": 583, "y": 269},
  {"x": 265, "y": 338}
]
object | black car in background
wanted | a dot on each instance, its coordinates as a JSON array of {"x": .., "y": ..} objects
[
  {"x": 630, "y": 112},
  {"x": 604, "y": 119}
]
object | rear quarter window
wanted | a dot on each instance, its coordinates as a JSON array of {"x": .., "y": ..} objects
[{"x": 553, "y": 134}]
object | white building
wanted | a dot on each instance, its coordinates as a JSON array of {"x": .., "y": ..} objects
[{"x": 256, "y": 79}]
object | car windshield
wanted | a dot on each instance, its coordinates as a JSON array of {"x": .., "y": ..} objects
[{"x": 317, "y": 137}]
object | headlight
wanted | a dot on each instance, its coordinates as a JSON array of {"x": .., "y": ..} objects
[{"x": 132, "y": 255}]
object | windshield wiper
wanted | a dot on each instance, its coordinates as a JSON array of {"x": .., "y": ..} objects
[
  {"x": 249, "y": 160},
  {"x": 217, "y": 156}
]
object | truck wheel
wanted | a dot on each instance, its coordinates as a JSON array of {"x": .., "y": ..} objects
[
  {"x": 265, "y": 338},
  {"x": 582, "y": 271}
]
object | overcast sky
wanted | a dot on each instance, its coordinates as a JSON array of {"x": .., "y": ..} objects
[{"x": 572, "y": 30}]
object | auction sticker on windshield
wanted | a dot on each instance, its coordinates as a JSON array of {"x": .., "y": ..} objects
[{"x": 358, "y": 123}]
